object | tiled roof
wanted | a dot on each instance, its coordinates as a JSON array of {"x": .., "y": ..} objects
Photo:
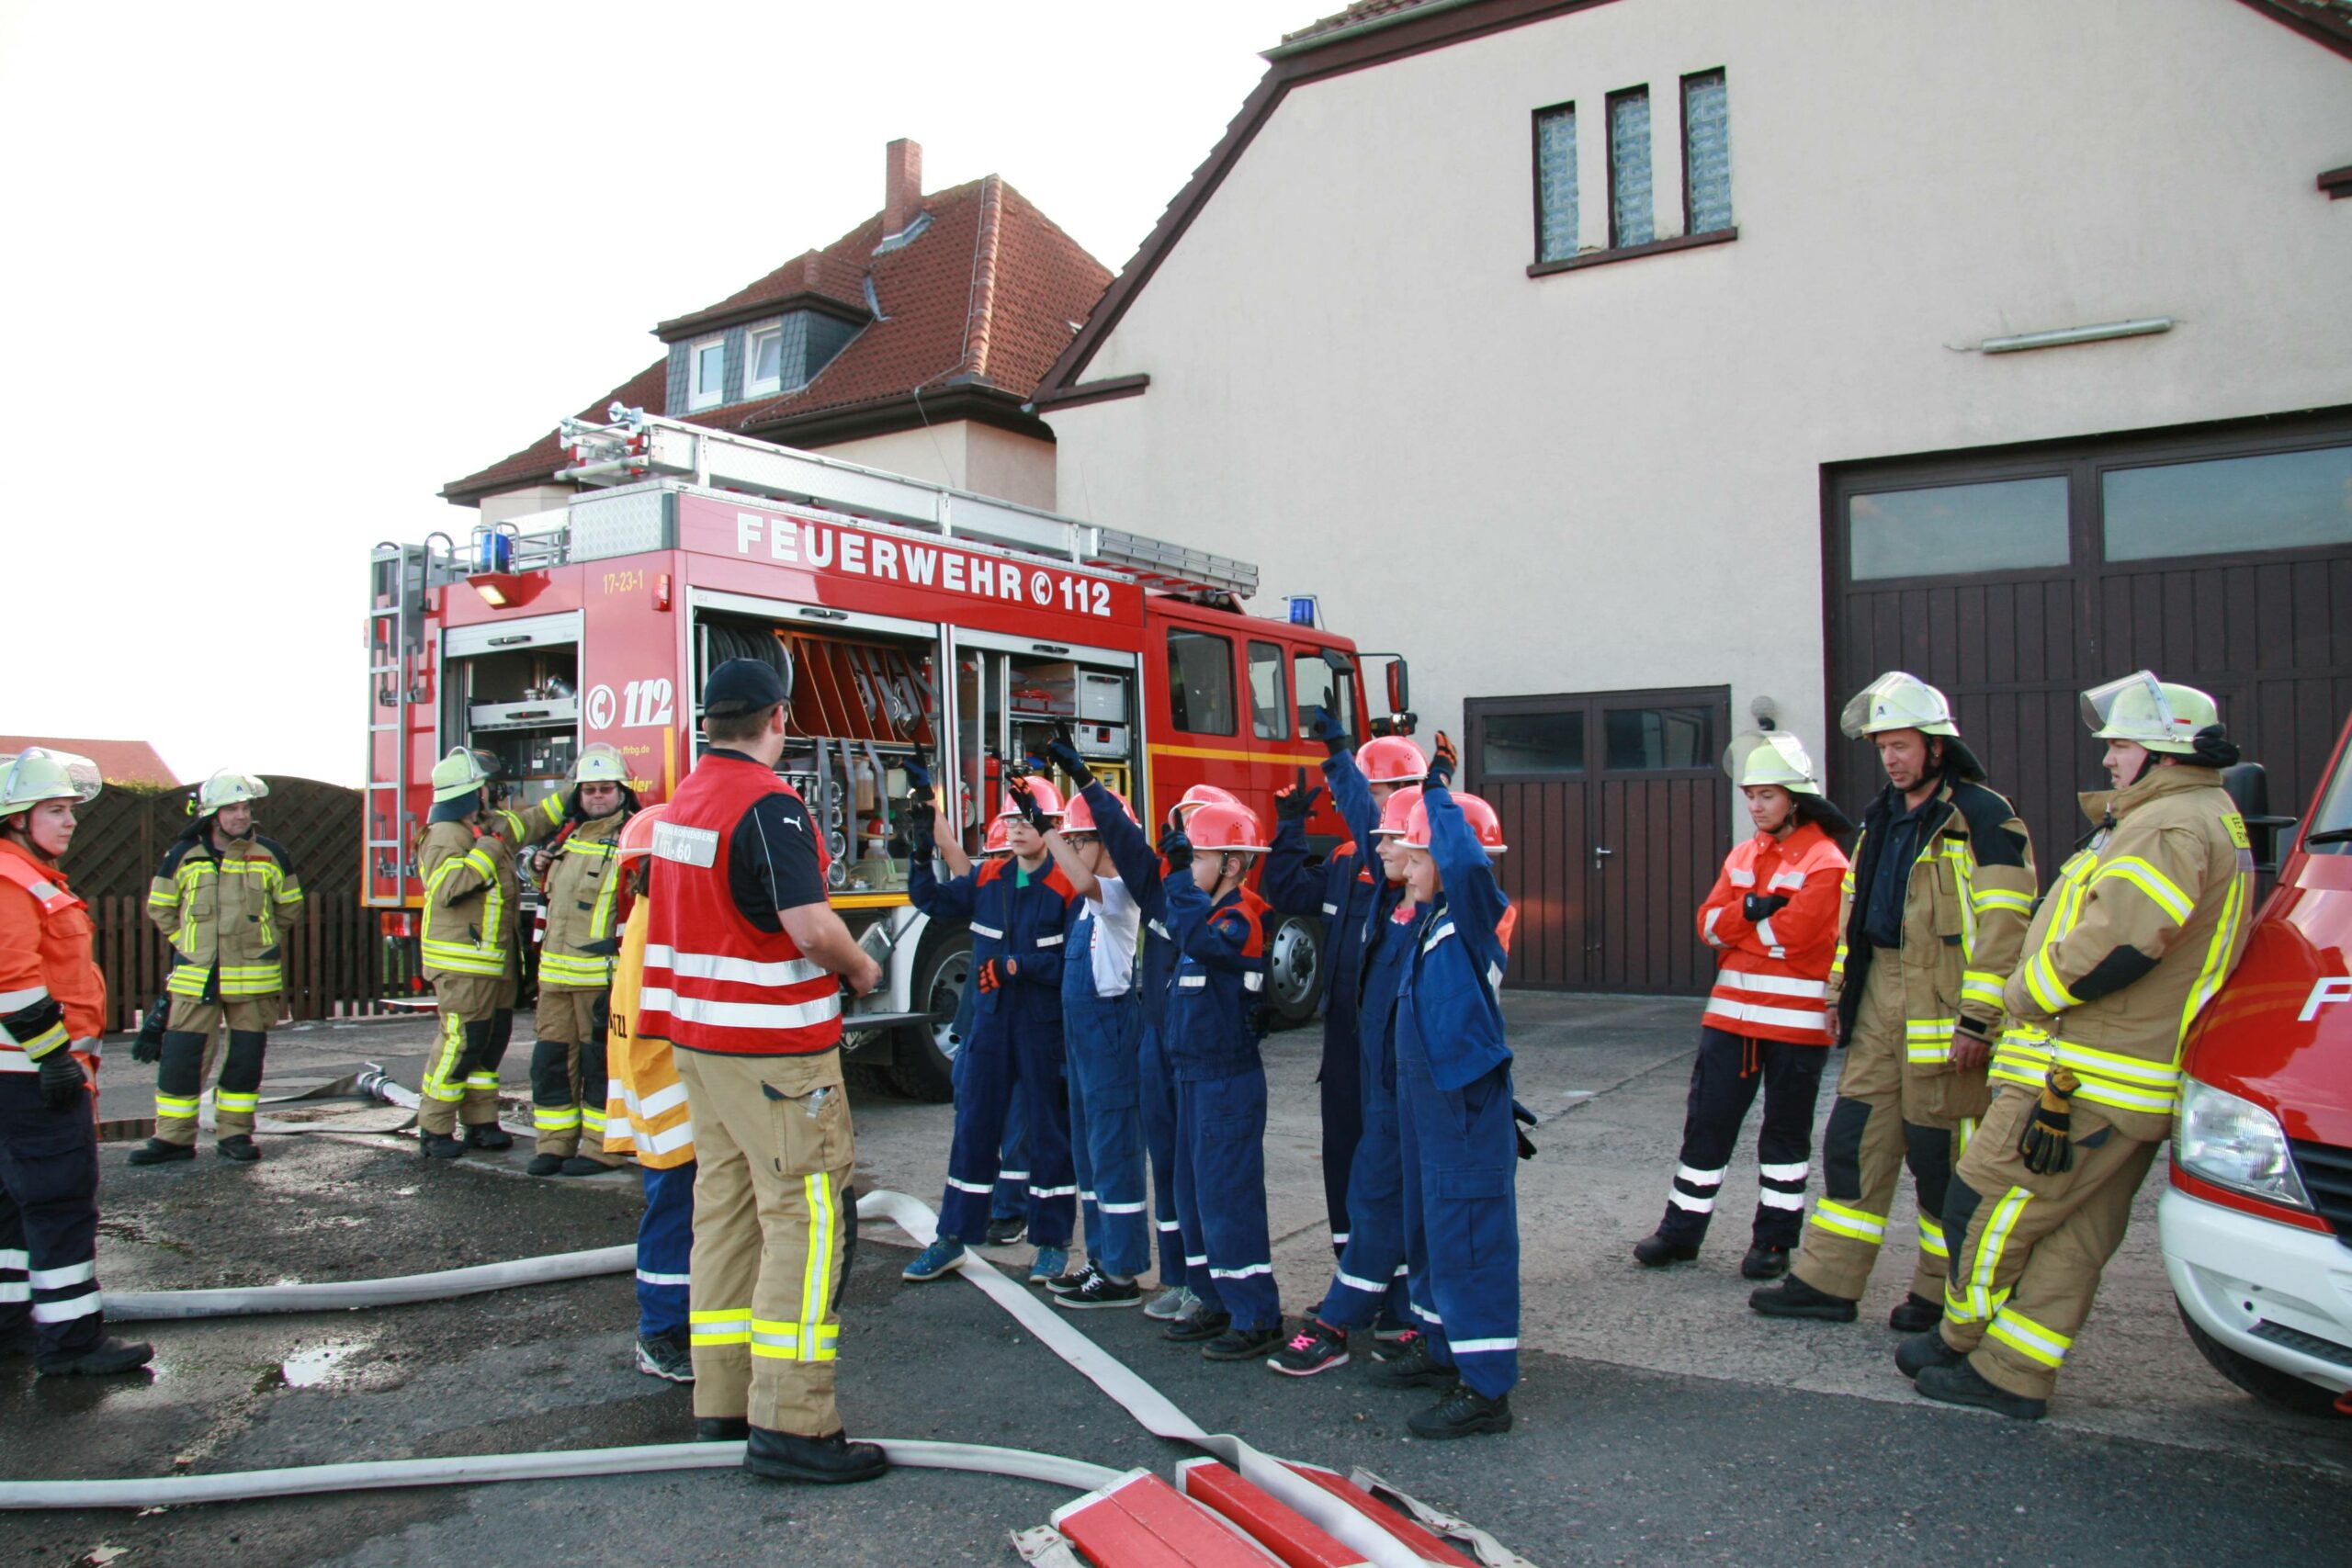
[
  {"x": 987, "y": 295},
  {"x": 119, "y": 762}
]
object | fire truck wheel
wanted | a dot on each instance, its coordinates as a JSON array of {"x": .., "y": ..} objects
[
  {"x": 1294, "y": 968},
  {"x": 920, "y": 1063},
  {"x": 2267, "y": 1383}
]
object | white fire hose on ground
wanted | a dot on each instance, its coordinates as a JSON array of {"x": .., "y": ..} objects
[{"x": 1153, "y": 1410}]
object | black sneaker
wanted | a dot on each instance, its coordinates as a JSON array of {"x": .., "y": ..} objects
[
  {"x": 1960, "y": 1384},
  {"x": 1764, "y": 1263},
  {"x": 158, "y": 1152},
  {"x": 1101, "y": 1290},
  {"x": 1388, "y": 1344},
  {"x": 1463, "y": 1412},
  {"x": 722, "y": 1428},
  {"x": 1006, "y": 1231},
  {"x": 1915, "y": 1314},
  {"x": 240, "y": 1148},
  {"x": 1075, "y": 1280},
  {"x": 488, "y": 1135},
  {"x": 1919, "y": 1352},
  {"x": 1654, "y": 1251},
  {"x": 1414, "y": 1367},
  {"x": 544, "y": 1165},
  {"x": 828, "y": 1460},
  {"x": 439, "y": 1145},
  {"x": 665, "y": 1356},
  {"x": 1244, "y": 1344},
  {"x": 1316, "y": 1347},
  {"x": 1195, "y": 1327},
  {"x": 101, "y": 1360},
  {"x": 1794, "y": 1298}
]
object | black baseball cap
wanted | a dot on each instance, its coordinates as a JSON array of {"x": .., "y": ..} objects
[{"x": 742, "y": 685}]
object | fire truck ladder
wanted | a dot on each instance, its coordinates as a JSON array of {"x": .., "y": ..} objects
[
  {"x": 399, "y": 577},
  {"x": 638, "y": 445}
]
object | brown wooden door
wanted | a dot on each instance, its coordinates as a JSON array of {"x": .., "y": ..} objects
[{"x": 1618, "y": 815}]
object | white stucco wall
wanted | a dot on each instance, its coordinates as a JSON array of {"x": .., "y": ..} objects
[
  {"x": 1610, "y": 478},
  {"x": 959, "y": 452}
]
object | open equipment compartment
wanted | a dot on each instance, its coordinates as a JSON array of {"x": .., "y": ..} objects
[{"x": 512, "y": 689}]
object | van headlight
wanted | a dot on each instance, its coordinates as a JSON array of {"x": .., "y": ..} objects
[{"x": 2235, "y": 1143}]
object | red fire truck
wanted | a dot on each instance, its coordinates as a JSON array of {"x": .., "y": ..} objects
[{"x": 910, "y": 618}]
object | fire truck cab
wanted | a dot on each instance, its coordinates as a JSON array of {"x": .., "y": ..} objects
[{"x": 908, "y": 618}]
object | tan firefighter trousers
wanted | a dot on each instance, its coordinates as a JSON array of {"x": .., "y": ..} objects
[
  {"x": 774, "y": 1218},
  {"x": 2027, "y": 1250},
  {"x": 461, "y": 1075},
  {"x": 233, "y": 1107},
  {"x": 1878, "y": 1123}
]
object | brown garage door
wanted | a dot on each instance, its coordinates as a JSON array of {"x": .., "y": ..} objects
[
  {"x": 1617, "y": 815},
  {"x": 2222, "y": 557}
]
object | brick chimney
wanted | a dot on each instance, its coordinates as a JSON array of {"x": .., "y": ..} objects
[{"x": 901, "y": 186}]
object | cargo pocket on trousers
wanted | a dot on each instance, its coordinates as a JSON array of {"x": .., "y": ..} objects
[
  {"x": 808, "y": 1109},
  {"x": 1474, "y": 1214}
]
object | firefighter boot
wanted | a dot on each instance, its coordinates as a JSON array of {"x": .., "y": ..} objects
[
  {"x": 1765, "y": 1261},
  {"x": 1464, "y": 1412},
  {"x": 1960, "y": 1384},
  {"x": 1915, "y": 1314},
  {"x": 1919, "y": 1352},
  {"x": 157, "y": 1152},
  {"x": 828, "y": 1460},
  {"x": 1794, "y": 1298},
  {"x": 101, "y": 1360},
  {"x": 237, "y": 1095},
  {"x": 1654, "y": 1251}
]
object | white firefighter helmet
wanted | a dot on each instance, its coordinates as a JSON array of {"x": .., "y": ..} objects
[
  {"x": 461, "y": 772},
  {"x": 225, "y": 788},
  {"x": 2159, "y": 715},
  {"x": 600, "y": 764},
  {"x": 38, "y": 774},
  {"x": 1897, "y": 701},
  {"x": 1771, "y": 757}
]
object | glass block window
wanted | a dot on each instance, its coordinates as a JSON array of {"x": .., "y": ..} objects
[
  {"x": 1706, "y": 153},
  {"x": 1631, "y": 222},
  {"x": 1555, "y": 183}
]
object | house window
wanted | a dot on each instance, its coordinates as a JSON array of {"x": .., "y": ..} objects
[
  {"x": 1200, "y": 683},
  {"x": 1555, "y": 183},
  {"x": 1630, "y": 218},
  {"x": 764, "y": 360},
  {"x": 1649, "y": 739},
  {"x": 1706, "y": 153},
  {"x": 1269, "y": 713},
  {"x": 706, "y": 365}
]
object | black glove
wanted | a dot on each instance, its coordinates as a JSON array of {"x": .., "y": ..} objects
[
  {"x": 1523, "y": 1117},
  {"x": 1031, "y": 812},
  {"x": 61, "y": 1080},
  {"x": 1293, "y": 802},
  {"x": 1263, "y": 1018},
  {"x": 1063, "y": 749},
  {"x": 1176, "y": 849},
  {"x": 2047, "y": 1145},
  {"x": 1761, "y": 906},
  {"x": 1324, "y": 724},
  {"x": 1442, "y": 766},
  {"x": 149, "y": 1046},
  {"x": 918, "y": 776}
]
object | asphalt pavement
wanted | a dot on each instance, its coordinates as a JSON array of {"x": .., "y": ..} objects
[{"x": 1659, "y": 1422}]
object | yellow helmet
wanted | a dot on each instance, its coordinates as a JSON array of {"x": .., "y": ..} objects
[
  {"x": 2159, "y": 715},
  {"x": 461, "y": 772},
  {"x": 37, "y": 773},
  {"x": 600, "y": 764},
  {"x": 1771, "y": 757},
  {"x": 225, "y": 788},
  {"x": 1897, "y": 701}
]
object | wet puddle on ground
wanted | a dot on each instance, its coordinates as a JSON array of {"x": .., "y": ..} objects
[{"x": 319, "y": 1367}]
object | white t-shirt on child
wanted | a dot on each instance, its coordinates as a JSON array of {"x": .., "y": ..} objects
[{"x": 1117, "y": 920}]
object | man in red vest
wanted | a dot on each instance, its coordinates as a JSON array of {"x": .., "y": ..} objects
[{"x": 744, "y": 961}]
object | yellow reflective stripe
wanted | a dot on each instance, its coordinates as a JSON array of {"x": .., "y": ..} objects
[
  {"x": 1988, "y": 899},
  {"x": 1981, "y": 985},
  {"x": 2144, "y": 875},
  {"x": 2042, "y": 979},
  {"x": 1928, "y": 1028},
  {"x": 548, "y": 1120},
  {"x": 1931, "y": 1238},
  {"x": 1840, "y": 1219},
  {"x": 1963, "y": 867},
  {"x": 1966, "y": 1131},
  {"x": 2221, "y": 953},
  {"x": 436, "y": 1083},
  {"x": 1987, "y": 1262},
  {"x": 816, "y": 1276},
  {"x": 228, "y": 1099},
  {"x": 2027, "y": 1339},
  {"x": 175, "y": 1106},
  {"x": 47, "y": 1039},
  {"x": 568, "y": 968}
]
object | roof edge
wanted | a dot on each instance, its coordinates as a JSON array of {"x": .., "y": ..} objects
[
  {"x": 680, "y": 327},
  {"x": 2328, "y": 25},
  {"x": 971, "y": 399},
  {"x": 1300, "y": 44}
]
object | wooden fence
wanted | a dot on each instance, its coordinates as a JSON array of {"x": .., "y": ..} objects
[{"x": 338, "y": 963}]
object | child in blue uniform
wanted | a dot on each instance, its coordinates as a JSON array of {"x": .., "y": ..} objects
[{"x": 1460, "y": 1143}]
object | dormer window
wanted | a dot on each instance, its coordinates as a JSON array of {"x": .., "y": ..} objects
[
  {"x": 707, "y": 363},
  {"x": 763, "y": 358}
]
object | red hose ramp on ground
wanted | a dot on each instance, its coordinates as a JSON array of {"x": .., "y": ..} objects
[
  {"x": 1296, "y": 1540},
  {"x": 1432, "y": 1546},
  {"x": 1140, "y": 1521}
]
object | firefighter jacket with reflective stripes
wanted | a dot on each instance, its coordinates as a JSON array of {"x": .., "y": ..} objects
[
  {"x": 471, "y": 891},
  {"x": 2139, "y": 932},
  {"x": 583, "y": 889},
  {"x": 1220, "y": 979},
  {"x": 1771, "y": 975},
  {"x": 51, "y": 994},
  {"x": 645, "y": 1109},
  {"x": 1965, "y": 906},
  {"x": 1450, "y": 999},
  {"x": 226, "y": 913},
  {"x": 1020, "y": 923},
  {"x": 714, "y": 981}
]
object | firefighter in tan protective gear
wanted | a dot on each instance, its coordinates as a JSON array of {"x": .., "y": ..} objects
[
  {"x": 470, "y": 946},
  {"x": 582, "y": 880},
  {"x": 1932, "y": 917},
  {"x": 2143, "y": 925}
]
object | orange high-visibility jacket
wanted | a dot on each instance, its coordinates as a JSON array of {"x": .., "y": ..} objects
[{"x": 1771, "y": 975}]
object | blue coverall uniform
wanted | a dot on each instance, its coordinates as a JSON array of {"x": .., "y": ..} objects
[
  {"x": 1454, "y": 1114},
  {"x": 1139, "y": 866},
  {"x": 1221, "y": 1102},
  {"x": 1373, "y": 1277},
  {"x": 1100, "y": 1035},
  {"x": 1015, "y": 1045}
]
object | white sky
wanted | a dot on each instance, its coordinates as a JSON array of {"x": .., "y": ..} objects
[{"x": 276, "y": 273}]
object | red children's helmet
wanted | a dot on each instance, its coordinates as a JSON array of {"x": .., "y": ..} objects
[
  {"x": 1398, "y": 812},
  {"x": 1484, "y": 824},
  {"x": 1218, "y": 829},
  {"x": 1078, "y": 817},
  {"x": 1197, "y": 797},
  {"x": 998, "y": 839},
  {"x": 1391, "y": 759},
  {"x": 637, "y": 833},
  {"x": 1049, "y": 799}
]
